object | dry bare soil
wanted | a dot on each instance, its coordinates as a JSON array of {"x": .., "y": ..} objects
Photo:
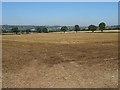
[{"x": 58, "y": 60}]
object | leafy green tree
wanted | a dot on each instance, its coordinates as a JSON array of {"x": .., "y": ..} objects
[
  {"x": 92, "y": 28},
  {"x": 77, "y": 28},
  {"x": 28, "y": 31},
  {"x": 42, "y": 29},
  {"x": 15, "y": 30},
  {"x": 64, "y": 29},
  {"x": 102, "y": 26},
  {"x": 45, "y": 30},
  {"x": 39, "y": 29}
]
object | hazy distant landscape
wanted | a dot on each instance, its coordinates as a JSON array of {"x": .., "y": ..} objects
[{"x": 60, "y": 45}]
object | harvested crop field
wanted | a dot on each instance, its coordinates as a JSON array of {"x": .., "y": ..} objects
[{"x": 58, "y": 60}]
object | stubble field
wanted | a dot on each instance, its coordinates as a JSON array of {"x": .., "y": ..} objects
[{"x": 58, "y": 60}]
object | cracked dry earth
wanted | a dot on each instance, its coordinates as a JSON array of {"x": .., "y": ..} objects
[{"x": 60, "y": 65}]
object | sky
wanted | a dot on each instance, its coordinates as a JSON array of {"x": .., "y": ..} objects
[
  {"x": 59, "y": 13},
  {"x": 60, "y": 0},
  {"x": 0, "y": 13}
]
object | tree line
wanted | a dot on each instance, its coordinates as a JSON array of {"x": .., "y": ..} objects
[
  {"x": 43, "y": 29},
  {"x": 92, "y": 28}
]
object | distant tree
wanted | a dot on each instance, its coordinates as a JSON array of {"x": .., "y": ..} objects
[
  {"x": 64, "y": 29},
  {"x": 23, "y": 31},
  {"x": 3, "y": 31},
  {"x": 102, "y": 26},
  {"x": 28, "y": 31},
  {"x": 44, "y": 29},
  {"x": 92, "y": 28},
  {"x": 15, "y": 30},
  {"x": 39, "y": 29},
  {"x": 76, "y": 28}
]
